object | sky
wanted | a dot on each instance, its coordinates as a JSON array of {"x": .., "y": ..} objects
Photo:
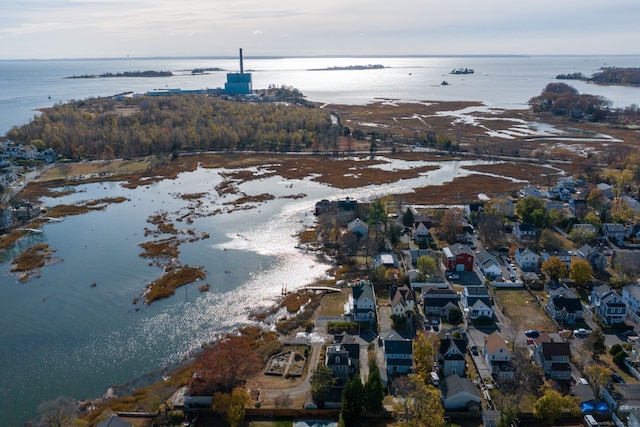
[{"x": 46, "y": 29}]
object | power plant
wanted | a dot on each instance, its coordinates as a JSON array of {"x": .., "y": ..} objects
[{"x": 239, "y": 83}]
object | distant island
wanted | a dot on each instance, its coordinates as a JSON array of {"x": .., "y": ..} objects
[
  {"x": 608, "y": 76},
  {"x": 351, "y": 67},
  {"x": 125, "y": 74},
  {"x": 462, "y": 71},
  {"x": 205, "y": 70}
]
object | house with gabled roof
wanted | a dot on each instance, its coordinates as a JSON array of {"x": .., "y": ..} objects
[
  {"x": 527, "y": 259},
  {"x": 530, "y": 191},
  {"x": 488, "y": 264},
  {"x": 361, "y": 306},
  {"x": 385, "y": 259},
  {"x": 451, "y": 356},
  {"x": 498, "y": 356},
  {"x": 608, "y": 305},
  {"x": 337, "y": 358},
  {"x": 564, "y": 305},
  {"x": 459, "y": 393},
  {"x": 439, "y": 301},
  {"x": 477, "y": 302},
  {"x": 524, "y": 231},
  {"x": 614, "y": 231},
  {"x": 358, "y": 227},
  {"x": 398, "y": 354},
  {"x": 458, "y": 257},
  {"x": 421, "y": 232},
  {"x": 402, "y": 301},
  {"x": 554, "y": 359}
]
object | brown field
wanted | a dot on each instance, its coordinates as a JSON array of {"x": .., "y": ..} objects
[{"x": 522, "y": 310}]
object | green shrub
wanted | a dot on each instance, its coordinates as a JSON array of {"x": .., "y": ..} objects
[
  {"x": 619, "y": 357},
  {"x": 615, "y": 349}
]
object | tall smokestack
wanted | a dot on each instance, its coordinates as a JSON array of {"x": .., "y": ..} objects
[{"x": 241, "y": 65}]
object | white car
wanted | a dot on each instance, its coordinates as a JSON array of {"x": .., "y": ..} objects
[{"x": 581, "y": 332}]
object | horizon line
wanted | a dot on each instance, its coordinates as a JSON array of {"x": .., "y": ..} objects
[{"x": 506, "y": 55}]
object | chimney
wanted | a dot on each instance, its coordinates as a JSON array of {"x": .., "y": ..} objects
[{"x": 241, "y": 65}]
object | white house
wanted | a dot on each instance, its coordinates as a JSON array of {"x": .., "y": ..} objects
[
  {"x": 477, "y": 302},
  {"x": 488, "y": 264},
  {"x": 527, "y": 259},
  {"x": 402, "y": 301},
  {"x": 361, "y": 306},
  {"x": 451, "y": 357},
  {"x": 524, "y": 231}
]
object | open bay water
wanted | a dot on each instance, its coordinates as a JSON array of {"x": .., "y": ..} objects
[{"x": 61, "y": 336}]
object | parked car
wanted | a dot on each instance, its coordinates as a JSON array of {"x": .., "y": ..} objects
[
  {"x": 629, "y": 333},
  {"x": 581, "y": 332},
  {"x": 473, "y": 349},
  {"x": 532, "y": 333}
]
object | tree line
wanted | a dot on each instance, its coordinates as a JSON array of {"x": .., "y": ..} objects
[
  {"x": 564, "y": 100},
  {"x": 140, "y": 126}
]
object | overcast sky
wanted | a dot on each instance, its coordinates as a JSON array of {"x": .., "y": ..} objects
[{"x": 142, "y": 28}]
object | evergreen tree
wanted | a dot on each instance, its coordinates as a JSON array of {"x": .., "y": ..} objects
[
  {"x": 408, "y": 218},
  {"x": 373, "y": 389},
  {"x": 352, "y": 401}
]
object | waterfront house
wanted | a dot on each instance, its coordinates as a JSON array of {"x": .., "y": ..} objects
[
  {"x": 554, "y": 359},
  {"x": 564, "y": 305},
  {"x": 527, "y": 259},
  {"x": 359, "y": 228},
  {"x": 608, "y": 305},
  {"x": 402, "y": 301},
  {"x": 451, "y": 356},
  {"x": 398, "y": 354},
  {"x": 498, "y": 356},
  {"x": 439, "y": 301},
  {"x": 361, "y": 306},
  {"x": 458, "y": 257},
  {"x": 385, "y": 259},
  {"x": 477, "y": 302},
  {"x": 530, "y": 191},
  {"x": 459, "y": 393}
]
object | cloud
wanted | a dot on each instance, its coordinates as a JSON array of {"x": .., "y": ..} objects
[{"x": 288, "y": 26}]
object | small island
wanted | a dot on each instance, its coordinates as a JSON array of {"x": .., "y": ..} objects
[
  {"x": 125, "y": 74},
  {"x": 351, "y": 67},
  {"x": 205, "y": 70},
  {"x": 608, "y": 76},
  {"x": 462, "y": 71}
]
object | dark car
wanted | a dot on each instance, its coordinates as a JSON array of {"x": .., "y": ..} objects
[
  {"x": 532, "y": 333},
  {"x": 473, "y": 349}
]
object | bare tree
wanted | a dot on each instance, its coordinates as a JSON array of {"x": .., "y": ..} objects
[{"x": 60, "y": 412}]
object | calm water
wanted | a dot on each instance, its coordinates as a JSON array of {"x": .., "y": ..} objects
[{"x": 61, "y": 336}]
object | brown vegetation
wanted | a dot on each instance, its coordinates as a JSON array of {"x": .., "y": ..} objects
[
  {"x": 31, "y": 260},
  {"x": 166, "y": 285}
]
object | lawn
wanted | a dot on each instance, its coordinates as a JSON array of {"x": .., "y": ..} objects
[
  {"x": 333, "y": 304},
  {"x": 522, "y": 309}
]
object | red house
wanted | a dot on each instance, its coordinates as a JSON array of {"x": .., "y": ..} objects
[{"x": 458, "y": 257}]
